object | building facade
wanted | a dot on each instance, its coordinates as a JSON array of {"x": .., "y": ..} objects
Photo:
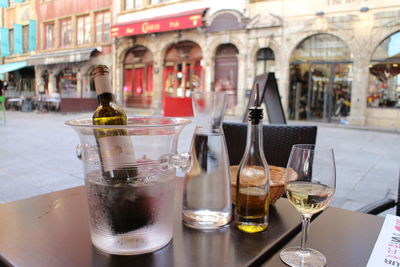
[
  {"x": 336, "y": 61},
  {"x": 18, "y": 43},
  {"x": 74, "y": 36}
]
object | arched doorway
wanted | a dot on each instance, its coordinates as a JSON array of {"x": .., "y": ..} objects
[
  {"x": 183, "y": 74},
  {"x": 226, "y": 72},
  {"x": 138, "y": 78},
  {"x": 265, "y": 61},
  {"x": 384, "y": 80},
  {"x": 320, "y": 79}
]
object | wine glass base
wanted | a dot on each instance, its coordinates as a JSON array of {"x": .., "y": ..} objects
[{"x": 295, "y": 257}]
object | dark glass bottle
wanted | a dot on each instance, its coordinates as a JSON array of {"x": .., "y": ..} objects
[
  {"x": 252, "y": 191},
  {"x": 115, "y": 146}
]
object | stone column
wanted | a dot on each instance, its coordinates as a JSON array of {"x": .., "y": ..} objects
[
  {"x": 158, "y": 87},
  {"x": 241, "y": 86},
  {"x": 208, "y": 69},
  {"x": 359, "y": 88},
  {"x": 117, "y": 71},
  {"x": 283, "y": 73},
  {"x": 79, "y": 82}
]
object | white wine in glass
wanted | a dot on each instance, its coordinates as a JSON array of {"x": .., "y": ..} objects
[{"x": 310, "y": 183}]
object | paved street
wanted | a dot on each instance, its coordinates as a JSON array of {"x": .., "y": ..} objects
[{"x": 37, "y": 156}]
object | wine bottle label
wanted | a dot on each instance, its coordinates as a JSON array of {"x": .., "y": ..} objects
[
  {"x": 102, "y": 84},
  {"x": 116, "y": 152}
]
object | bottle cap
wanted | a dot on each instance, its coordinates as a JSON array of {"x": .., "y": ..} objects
[{"x": 101, "y": 77}]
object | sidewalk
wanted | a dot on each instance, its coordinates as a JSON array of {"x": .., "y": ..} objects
[{"x": 37, "y": 156}]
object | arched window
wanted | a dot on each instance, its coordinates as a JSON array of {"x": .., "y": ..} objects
[
  {"x": 320, "y": 79},
  {"x": 384, "y": 79},
  {"x": 265, "y": 61}
]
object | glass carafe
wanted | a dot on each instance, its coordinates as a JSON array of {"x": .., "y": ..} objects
[
  {"x": 133, "y": 215},
  {"x": 207, "y": 200}
]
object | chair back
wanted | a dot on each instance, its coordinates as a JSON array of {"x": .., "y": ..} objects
[{"x": 277, "y": 142}]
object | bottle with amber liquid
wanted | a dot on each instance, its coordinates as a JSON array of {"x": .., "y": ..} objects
[
  {"x": 115, "y": 146},
  {"x": 253, "y": 179}
]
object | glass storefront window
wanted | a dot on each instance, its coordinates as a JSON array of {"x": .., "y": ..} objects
[
  {"x": 138, "y": 78},
  {"x": 67, "y": 84},
  {"x": 384, "y": 80},
  {"x": 88, "y": 91},
  {"x": 320, "y": 79},
  {"x": 226, "y": 73}
]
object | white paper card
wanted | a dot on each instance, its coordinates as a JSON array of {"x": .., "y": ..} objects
[{"x": 386, "y": 251}]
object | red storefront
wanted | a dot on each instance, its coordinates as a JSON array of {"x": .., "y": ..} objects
[
  {"x": 182, "y": 70},
  {"x": 182, "y": 75},
  {"x": 138, "y": 77}
]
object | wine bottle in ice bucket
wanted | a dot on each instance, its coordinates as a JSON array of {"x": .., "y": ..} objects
[
  {"x": 118, "y": 162},
  {"x": 116, "y": 150}
]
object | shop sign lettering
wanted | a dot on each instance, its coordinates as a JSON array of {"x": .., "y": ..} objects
[{"x": 152, "y": 26}]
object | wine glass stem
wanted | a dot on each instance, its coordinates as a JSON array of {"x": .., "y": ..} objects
[{"x": 304, "y": 233}]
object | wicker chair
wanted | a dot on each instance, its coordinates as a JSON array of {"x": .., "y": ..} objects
[{"x": 278, "y": 141}]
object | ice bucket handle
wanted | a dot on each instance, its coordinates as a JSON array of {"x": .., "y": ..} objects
[{"x": 181, "y": 161}]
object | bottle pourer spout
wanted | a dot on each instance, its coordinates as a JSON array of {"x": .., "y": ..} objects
[
  {"x": 255, "y": 112},
  {"x": 257, "y": 96}
]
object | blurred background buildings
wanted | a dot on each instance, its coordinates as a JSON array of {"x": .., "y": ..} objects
[{"x": 335, "y": 60}]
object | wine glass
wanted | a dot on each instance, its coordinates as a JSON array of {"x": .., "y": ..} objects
[{"x": 310, "y": 182}]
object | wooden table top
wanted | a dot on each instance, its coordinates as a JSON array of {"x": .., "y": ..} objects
[
  {"x": 53, "y": 230},
  {"x": 346, "y": 238}
]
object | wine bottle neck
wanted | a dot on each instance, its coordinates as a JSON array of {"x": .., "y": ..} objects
[
  {"x": 102, "y": 84},
  {"x": 254, "y": 138},
  {"x": 105, "y": 98}
]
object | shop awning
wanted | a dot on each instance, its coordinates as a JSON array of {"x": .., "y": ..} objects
[
  {"x": 13, "y": 66},
  {"x": 64, "y": 56},
  {"x": 172, "y": 22}
]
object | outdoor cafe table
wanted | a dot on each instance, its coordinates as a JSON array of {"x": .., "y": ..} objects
[
  {"x": 53, "y": 230},
  {"x": 346, "y": 238}
]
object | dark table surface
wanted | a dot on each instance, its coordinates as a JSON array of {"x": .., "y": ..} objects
[
  {"x": 346, "y": 238},
  {"x": 53, "y": 230}
]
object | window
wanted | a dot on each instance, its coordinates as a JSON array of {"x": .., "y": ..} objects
[
  {"x": 320, "y": 79},
  {"x": 11, "y": 38},
  {"x": 25, "y": 38},
  {"x": 13, "y": 2},
  {"x": 83, "y": 30},
  {"x": 66, "y": 33},
  {"x": 49, "y": 35},
  {"x": 152, "y": 2},
  {"x": 102, "y": 27},
  {"x": 384, "y": 69},
  {"x": 131, "y": 4},
  {"x": 265, "y": 61}
]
